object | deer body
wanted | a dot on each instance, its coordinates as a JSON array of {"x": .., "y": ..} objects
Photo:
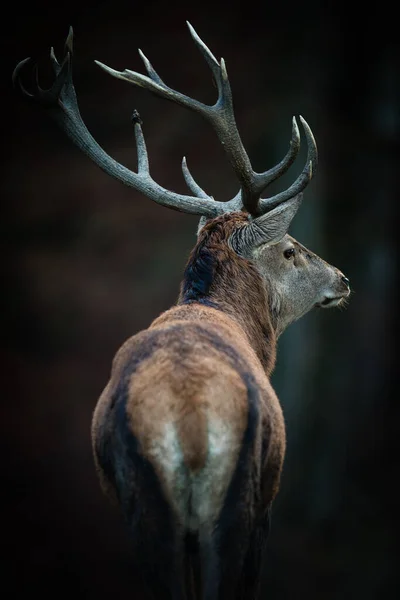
[
  {"x": 188, "y": 435},
  {"x": 191, "y": 396}
]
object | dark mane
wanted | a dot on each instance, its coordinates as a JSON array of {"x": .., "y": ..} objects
[
  {"x": 198, "y": 275},
  {"x": 202, "y": 266}
]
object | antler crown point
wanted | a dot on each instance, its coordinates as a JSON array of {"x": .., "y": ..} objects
[
  {"x": 16, "y": 72},
  {"x": 69, "y": 40}
]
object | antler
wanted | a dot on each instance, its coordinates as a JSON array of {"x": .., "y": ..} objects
[
  {"x": 221, "y": 116},
  {"x": 61, "y": 101}
]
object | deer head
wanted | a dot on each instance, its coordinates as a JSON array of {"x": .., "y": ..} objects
[{"x": 296, "y": 278}]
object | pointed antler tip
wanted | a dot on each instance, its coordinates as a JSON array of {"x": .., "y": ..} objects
[
  {"x": 53, "y": 58},
  {"x": 16, "y": 72},
  {"x": 144, "y": 58},
  {"x": 70, "y": 39},
  {"x": 192, "y": 30},
  {"x": 309, "y": 133},
  {"x": 295, "y": 128},
  {"x": 136, "y": 118},
  {"x": 194, "y": 33},
  {"x": 206, "y": 52},
  {"x": 103, "y": 66}
]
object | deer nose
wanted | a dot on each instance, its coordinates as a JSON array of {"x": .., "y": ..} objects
[{"x": 346, "y": 281}]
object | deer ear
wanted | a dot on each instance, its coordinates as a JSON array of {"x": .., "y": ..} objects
[
  {"x": 271, "y": 227},
  {"x": 202, "y": 222}
]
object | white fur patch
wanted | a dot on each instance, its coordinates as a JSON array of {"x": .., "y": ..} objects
[
  {"x": 197, "y": 497},
  {"x": 167, "y": 454},
  {"x": 209, "y": 486}
]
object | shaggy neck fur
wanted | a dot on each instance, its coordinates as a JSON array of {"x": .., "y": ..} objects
[{"x": 217, "y": 277}]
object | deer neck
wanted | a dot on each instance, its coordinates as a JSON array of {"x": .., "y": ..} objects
[{"x": 217, "y": 277}]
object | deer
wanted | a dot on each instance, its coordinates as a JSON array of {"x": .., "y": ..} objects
[{"x": 188, "y": 435}]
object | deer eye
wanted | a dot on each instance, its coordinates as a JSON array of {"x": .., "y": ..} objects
[{"x": 288, "y": 253}]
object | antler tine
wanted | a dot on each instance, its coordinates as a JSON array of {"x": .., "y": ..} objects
[
  {"x": 149, "y": 68},
  {"x": 141, "y": 150},
  {"x": 303, "y": 179},
  {"x": 206, "y": 52},
  {"x": 63, "y": 105},
  {"x": 264, "y": 179},
  {"x": 191, "y": 183},
  {"x": 69, "y": 41},
  {"x": 16, "y": 79}
]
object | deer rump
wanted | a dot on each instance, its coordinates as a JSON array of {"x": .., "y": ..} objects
[{"x": 180, "y": 444}]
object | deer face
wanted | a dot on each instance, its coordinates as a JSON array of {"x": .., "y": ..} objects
[{"x": 298, "y": 280}]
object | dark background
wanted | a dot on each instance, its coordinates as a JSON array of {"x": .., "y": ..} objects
[{"x": 88, "y": 262}]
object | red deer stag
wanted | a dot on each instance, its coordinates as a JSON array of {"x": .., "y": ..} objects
[{"x": 188, "y": 435}]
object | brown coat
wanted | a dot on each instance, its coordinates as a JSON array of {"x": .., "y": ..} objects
[{"x": 189, "y": 403}]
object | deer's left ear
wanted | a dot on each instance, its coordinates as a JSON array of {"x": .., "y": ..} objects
[{"x": 269, "y": 228}]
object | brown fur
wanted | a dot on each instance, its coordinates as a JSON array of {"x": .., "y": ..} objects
[
  {"x": 192, "y": 385},
  {"x": 237, "y": 288}
]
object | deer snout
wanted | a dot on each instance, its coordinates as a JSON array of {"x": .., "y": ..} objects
[
  {"x": 342, "y": 284},
  {"x": 337, "y": 293}
]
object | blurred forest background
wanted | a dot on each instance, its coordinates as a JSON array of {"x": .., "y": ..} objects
[{"x": 88, "y": 262}]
